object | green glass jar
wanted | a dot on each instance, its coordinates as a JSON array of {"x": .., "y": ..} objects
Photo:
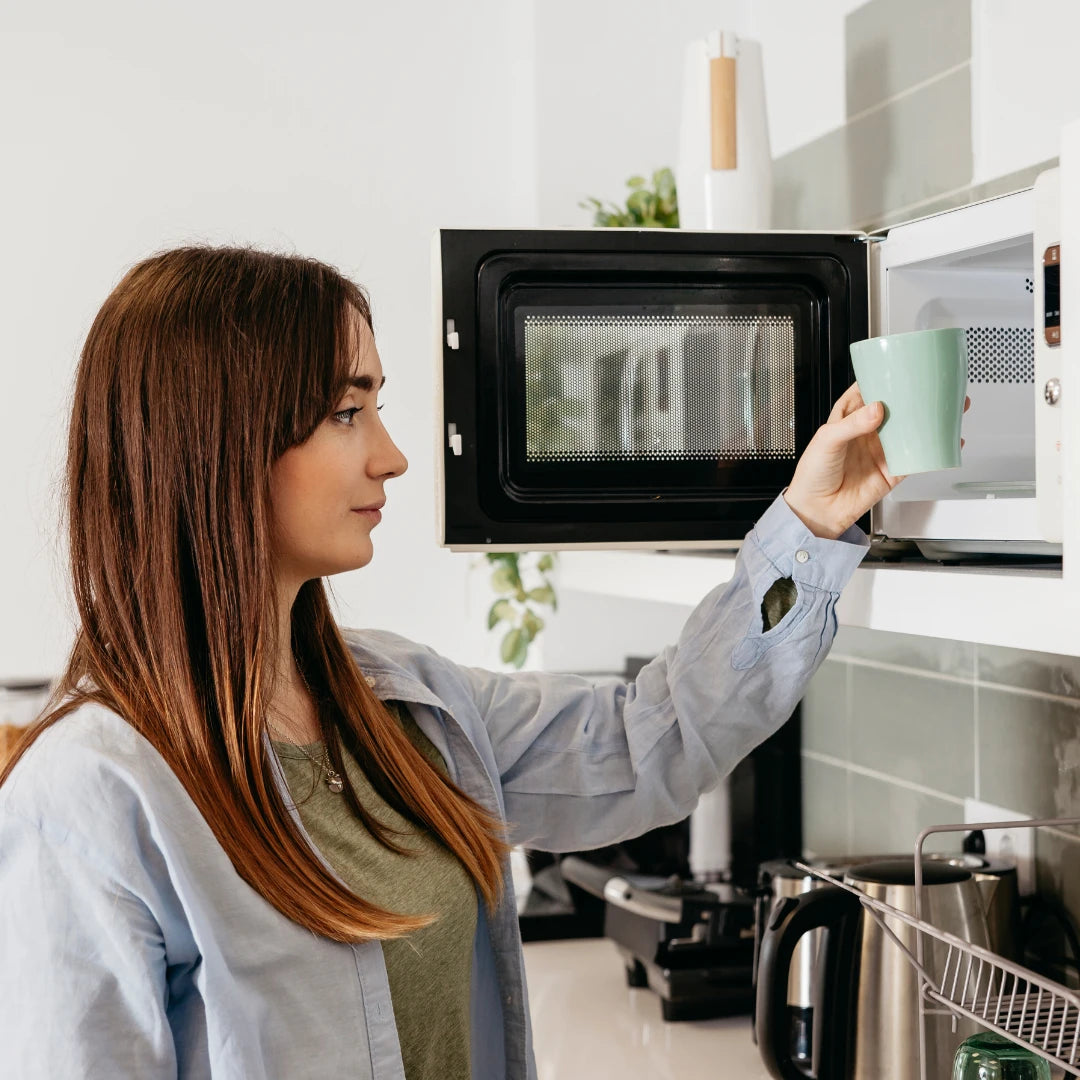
[{"x": 988, "y": 1056}]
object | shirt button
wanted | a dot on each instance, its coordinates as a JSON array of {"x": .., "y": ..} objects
[
  {"x": 801, "y": 555},
  {"x": 370, "y": 679}
]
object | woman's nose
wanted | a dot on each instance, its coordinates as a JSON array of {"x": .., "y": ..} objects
[{"x": 388, "y": 461}]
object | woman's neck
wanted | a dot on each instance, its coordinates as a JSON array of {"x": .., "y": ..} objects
[{"x": 291, "y": 714}]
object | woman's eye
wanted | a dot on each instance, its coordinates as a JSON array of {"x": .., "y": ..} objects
[{"x": 345, "y": 416}]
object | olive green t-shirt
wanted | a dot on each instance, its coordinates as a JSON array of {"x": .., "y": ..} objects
[{"x": 430, "y": 970}]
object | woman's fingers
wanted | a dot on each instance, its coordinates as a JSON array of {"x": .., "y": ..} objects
[
  {"x": 848, "y": 402},
  {"x": 859, "y": 421}
]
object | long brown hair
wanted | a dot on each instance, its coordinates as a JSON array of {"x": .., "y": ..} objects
[{"x": 201, "y": 368}]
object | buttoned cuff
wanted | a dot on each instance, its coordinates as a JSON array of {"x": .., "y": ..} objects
[{"x": 795, "y": 552}]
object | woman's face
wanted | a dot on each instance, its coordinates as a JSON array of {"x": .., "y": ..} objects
[{"x": 327, "y": 492}]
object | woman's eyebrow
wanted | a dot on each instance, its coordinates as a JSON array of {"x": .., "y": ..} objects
[{"x": 365, "y": 382}]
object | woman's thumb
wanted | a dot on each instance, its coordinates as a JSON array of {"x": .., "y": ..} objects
[{"x": 860, "y": 422}]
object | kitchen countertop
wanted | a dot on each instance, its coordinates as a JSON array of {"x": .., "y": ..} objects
[{"x": 588, "y": 1023}]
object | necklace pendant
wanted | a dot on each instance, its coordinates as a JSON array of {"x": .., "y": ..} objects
[{"x": 335, "y": 783}]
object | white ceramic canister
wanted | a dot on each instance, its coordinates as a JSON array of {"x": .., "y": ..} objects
[{"x": 21, "y": 702}]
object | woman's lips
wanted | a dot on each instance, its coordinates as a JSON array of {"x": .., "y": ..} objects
[{"x": 371, "y": 514}]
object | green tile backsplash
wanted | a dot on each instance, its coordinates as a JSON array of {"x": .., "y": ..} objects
[
  {"x": 898, "y": 729},
  {"x": 907, "y": 141},
  {"x": 887, "y": 817},
  {"x": 907, "y": 650},
  {"x": 895, "y": 718},
  {"x": 827, "y": 817},
  {"x": 1030, "y": 670},
  {"x": 890, "y": 50},
  {"x": 911, "y": 150},
  {"x": 1029, "y": 752},
  {"x": 825, "y": 712}
]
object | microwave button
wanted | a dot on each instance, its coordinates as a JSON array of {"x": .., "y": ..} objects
[
  {"x": 1052, "y": 391},
  {"x": 801, "y": 555}
]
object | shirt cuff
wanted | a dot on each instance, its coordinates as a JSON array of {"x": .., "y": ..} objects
[{"x": 796, "y": 553}]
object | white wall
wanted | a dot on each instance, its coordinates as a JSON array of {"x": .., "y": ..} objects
[
  {"x": 596, "y": 634},
  {"x": 802, "y": 48},
  {"x": 344, "y": 131},
  {"x": 609, "y": 86},
  {"x": 1025, "y": 81},
  {"x": 609, "y": 90}
]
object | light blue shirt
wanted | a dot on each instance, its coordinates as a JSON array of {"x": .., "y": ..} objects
[{"x": 130, "y": 947}]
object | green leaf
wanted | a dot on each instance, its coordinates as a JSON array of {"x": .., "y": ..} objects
[
  {"x": 532, "y": 623},
  {"x": 518, "y": 659},
  {"x": 512, "y": 645},
  {"x": 504, "y": 580},
  {"x": 664, "y": 182},
  {"x": 545, "y": 594},
  {"x": 645, "y": 208},
  {"x": 501, "y": 611},
  {"x": 546, "y": 563},
  {"x": 642, "y": 204}
]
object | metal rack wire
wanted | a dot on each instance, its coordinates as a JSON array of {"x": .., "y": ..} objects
[{"x": 974, "y": 983}]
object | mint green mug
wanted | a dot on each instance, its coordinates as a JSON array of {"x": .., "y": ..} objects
[{"x": 921, "y": 379}]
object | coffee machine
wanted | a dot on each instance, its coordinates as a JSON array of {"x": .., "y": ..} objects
[{"x": 680, "y": 902}]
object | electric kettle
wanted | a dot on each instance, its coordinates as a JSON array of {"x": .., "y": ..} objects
[{"x": 866, "y": 992}]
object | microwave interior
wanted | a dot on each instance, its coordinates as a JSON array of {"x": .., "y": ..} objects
[
  {"x": 988, "y": 290},
  {"x": 657, "y": 395}
]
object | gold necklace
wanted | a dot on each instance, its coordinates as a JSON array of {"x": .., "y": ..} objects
[{"x": 333, "y": 779}]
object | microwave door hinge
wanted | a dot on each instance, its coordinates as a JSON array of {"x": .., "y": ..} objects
[
  {"x": 875, "y": 301},
  {"x": 452, "y": 339},
  {"x": 453, "y": 439}
]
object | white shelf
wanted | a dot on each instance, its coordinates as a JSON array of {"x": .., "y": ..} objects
[{"x": 1019, "y": 608}]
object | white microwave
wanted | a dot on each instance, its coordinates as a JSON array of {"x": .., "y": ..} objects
[{"x": 654, "y": 388}]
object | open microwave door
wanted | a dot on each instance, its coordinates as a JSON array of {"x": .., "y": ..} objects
[{"x": 633, "y": 388}]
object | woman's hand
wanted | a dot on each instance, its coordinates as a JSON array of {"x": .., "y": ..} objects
[{"x": 842, "y": 472}]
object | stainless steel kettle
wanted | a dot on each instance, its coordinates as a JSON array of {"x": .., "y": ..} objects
[{"x": 865, "y": 993}]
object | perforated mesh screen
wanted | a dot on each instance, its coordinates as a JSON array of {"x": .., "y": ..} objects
[
  {"x": 1000, "y": 354},
  {"x": 659, "y": 388}
]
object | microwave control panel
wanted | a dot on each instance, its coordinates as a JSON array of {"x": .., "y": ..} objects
[{"x": 1052, "y": 294}]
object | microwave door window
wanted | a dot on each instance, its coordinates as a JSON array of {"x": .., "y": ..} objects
[{"x": 665, "y": 388}]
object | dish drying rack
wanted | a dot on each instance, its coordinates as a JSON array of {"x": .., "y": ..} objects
[{"x": 976, "y": 984}]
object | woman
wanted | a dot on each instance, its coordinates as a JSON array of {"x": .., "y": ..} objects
[{"x": 243, "y": 843}]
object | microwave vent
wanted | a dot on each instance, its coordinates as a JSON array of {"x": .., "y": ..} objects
[{"x": 1001, "y": 354}]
